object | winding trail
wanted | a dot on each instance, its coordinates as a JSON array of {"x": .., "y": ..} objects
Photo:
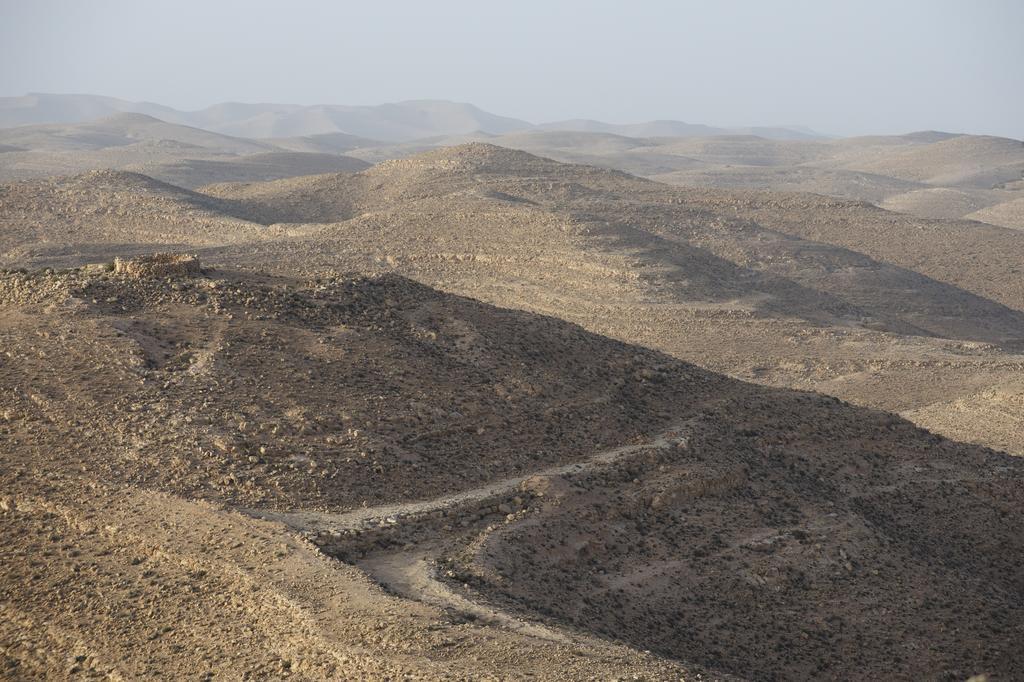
[
  {"x": 403, "y": 512},
  {"x": 410, "y": 571}
]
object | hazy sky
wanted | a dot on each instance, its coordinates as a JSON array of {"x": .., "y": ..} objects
[{"x": 850, "y": 67}]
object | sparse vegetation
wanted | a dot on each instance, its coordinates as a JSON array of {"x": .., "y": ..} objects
[{"x": 467, "y": 413}]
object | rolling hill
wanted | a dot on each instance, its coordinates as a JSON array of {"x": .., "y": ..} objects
[
  {"x": 763, "y": 286},
  {"x": 927, "y": 174},
  {"x": 192, "y": 173},
  {"x": 416, "y": 391},
  {"x": 178, "y": 154},
  {"x": 123, "y": 130},
  {"x": 100, "y": 211},
  {"x": 719, "y": 255},
  {"x": 186, "y": 461}
]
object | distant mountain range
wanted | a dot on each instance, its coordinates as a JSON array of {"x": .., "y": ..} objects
[
  {"x": 397, "y": 122},
  {"x": 678, "y": 129}
]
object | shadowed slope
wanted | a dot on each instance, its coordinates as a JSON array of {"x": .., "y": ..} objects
[
  {"x": 757, "y": 521},
  {"x": 983, "y": 259},
  {"x": 193, "y": 173},
  {"x": 687, "y": 250},
  {"x": 709, "y": 276}
]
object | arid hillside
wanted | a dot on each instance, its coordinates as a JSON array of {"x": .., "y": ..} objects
[
  {"x": 178, "y": 154},
  {"x": 983, "y": 259},
  {"x": 763, "y": 286},
  {"x": 1007, "y": 213},
  {"x": 195, "y": 443},
  {"x": 192, "y": 173},
  {"x": 523, "y": 342},
  {"x": 86, "y": 215},
  {"x": 769, "y": 287},
  {"x": 437, "y": 389},
  {"x": 124, "y": 131},
  {"x": 929, "y": 174},
  {"x": 610, "y": 214},
  {"x": 152, "y": 413}
]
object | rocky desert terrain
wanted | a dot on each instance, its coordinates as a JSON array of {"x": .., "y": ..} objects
[
  {"x": 560, "y": 404},
  {"x": 927, "y": 175}
]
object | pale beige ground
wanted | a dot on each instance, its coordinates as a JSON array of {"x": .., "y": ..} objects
[{"x": 186, "y": 454}]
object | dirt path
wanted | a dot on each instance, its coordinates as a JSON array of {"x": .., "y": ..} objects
[
  {"x": 395, "y": 514},
  {"x": 411, "y": 572},
  {"x": 412, "y": 575},
  {"x": 286, "y": 609}
]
